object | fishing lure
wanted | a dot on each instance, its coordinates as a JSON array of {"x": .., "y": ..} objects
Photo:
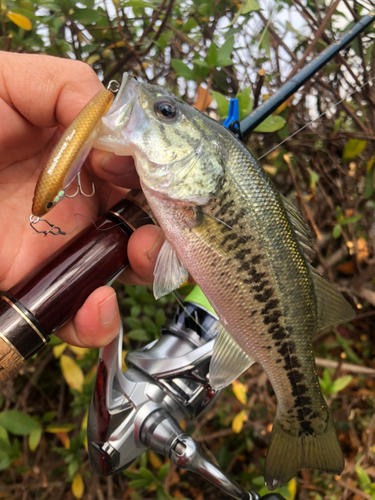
[{"x": 68, "y": 155}]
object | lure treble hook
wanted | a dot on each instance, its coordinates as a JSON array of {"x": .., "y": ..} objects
[{"x": 80, "y": 189}]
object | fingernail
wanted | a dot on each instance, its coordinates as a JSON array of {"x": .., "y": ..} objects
[
  {"x": 154, "y": 252},
  {"x": 117, "y": 165},
  {"x": 108, "y": 309}
]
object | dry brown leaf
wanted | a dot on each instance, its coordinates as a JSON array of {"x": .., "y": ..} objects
[
  {"x": 64, "y": 438},
  {"x": 178, "y": 494},
  {"x": 362, "y": 250},
  {"x": 347, "y": 268}
]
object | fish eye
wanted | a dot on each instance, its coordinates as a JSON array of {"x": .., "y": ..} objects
[
  {"x": 166, "y": 109},
  {"x": 49, "y": 205}
]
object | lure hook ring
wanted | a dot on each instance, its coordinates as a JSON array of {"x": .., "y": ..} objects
[{"x": 113, "y": 86}]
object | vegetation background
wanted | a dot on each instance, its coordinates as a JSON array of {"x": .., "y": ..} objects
[{"x": 207, "y": 51}]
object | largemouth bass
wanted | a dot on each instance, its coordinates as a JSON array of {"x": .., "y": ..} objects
[{"x": 244, "y": 244}]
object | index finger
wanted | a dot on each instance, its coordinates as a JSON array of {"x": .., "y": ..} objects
[{"x": 38, "y": 91}]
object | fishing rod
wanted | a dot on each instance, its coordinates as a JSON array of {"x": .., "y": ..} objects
[{"x": 291, "y": 86}]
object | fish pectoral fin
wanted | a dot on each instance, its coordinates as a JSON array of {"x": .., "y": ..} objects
[
  {"x": 332, "y": 307},
  {"x": 169, "y": 272},
  {"x": 289, "y": 453},
  {"x": 228, "y": 360}
]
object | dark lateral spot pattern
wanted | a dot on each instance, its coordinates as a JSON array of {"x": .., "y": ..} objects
[
  {"x": 229, "y": 237},
  {"x": 279, "y": 339}
]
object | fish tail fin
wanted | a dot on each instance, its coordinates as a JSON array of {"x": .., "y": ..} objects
[{"x": 289, "y": 453}]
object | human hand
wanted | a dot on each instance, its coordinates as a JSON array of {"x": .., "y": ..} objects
[{"x": 39, "y": 97}]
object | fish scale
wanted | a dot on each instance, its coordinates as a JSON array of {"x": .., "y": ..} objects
[{"x": 230, "y": 228}]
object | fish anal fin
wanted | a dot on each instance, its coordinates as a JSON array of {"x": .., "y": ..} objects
[
  {"x": 228, "y": 360},
  {"x": 332, "y": 306},
  {"x": 169, "y": 272},
  {"x": 288, "y": 454}
]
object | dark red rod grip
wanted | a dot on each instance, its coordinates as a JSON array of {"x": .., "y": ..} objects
[{"x": 50, "y": 295}]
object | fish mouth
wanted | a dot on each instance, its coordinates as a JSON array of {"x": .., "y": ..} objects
[
  {"x": 119, "y": 115},
  {"x": 120, "y": 121}
]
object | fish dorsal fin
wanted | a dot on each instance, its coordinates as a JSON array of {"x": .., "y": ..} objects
[
  {"x": 228, "y": 360},
  {"x": 331, "y": 305},
  {"x": 301, "y": 229},
  {"x": 169, "y": 272}
]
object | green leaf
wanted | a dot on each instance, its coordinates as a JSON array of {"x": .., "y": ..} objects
[
  {"x": 73, "y": 467},
  {"x": 258, "y": 481},
  {"x": 249, "y": 6},
  {"x": 221, "y": 63},
  {"x": 150, "y": 326},
  {"x": 363, "y": 477},
  {"x": 245, "y": 102},
  {"x": 222, "y": 104},
  {"x": 336, "y": 233},
  {"x": 140, "y": 483},
  {"x": 201, "y": 63},
  {"x": 5, "y": 459},
  {"x": 226, "y": 49},
  {"x": 130, "y": 474},
  {"x": 133, "y": 323},
  {"x": 289, "y": 27},
  {"x": 150, "y": 310},
  {"x": 4, "y": 437},
  {"x": 87, "y": 16},
  {"x": 353, "y": 148},
  {"x": 182, "y": 69},
  {"x": 368, "y": 53},
  {"x": 265, "y": 42},
  {"x": 189, "y": 25},
  {"x": 135, "y": 311},
  {"x": 139, "y": 334},
  {"x": 340, "y": 384},
  {"x": 160, "y": 318},
  {"x": 351, "y": 220},
  {"x": 146, "y": 474},
  {"x": 270, "y": 124},
  {"x": 314, "y": 177},
  {"x": 88, "y": 3},
  {"x": 137, "y": 4},
  {"x": 34, "y": 438},
  {"x": 163, "y": 471},
  {"x": 211, "y": 56},
  {"x": 17, "y": 423}
]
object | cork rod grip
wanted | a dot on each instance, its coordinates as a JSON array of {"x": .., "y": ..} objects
[{"x": 10, "y": 362}]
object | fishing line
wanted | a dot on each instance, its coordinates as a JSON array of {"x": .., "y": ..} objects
[
  {"x": 317, "y": 118},
  {"x": 221, "y": 222},
  {"x": 56, "y": 231}
]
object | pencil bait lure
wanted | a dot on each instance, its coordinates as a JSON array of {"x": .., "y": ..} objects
[{"x": 70, "y": 152}]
